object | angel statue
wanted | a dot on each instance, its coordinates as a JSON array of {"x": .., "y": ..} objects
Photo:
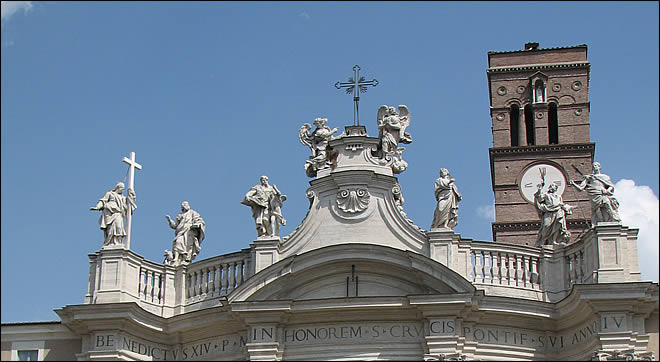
[
  {"x": 317, "y": 141},
  {"x": 392, "y": 127}
]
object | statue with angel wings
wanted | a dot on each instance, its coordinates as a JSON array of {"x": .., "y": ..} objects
[
  {"x": 392, "y": 131},
  {"x": 317, "y": 141},
  {"x": 392, "y": 128}
]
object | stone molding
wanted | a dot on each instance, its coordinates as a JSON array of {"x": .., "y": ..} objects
[{"x": 585, "y": 65}]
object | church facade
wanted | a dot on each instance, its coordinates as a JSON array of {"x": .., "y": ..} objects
[{"x": 358, "y": 280}]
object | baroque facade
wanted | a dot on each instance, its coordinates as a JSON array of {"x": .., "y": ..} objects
[{"x": 357, "y": 279}]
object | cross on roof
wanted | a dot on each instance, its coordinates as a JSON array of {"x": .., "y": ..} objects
[{"x": 357, "y": 85}]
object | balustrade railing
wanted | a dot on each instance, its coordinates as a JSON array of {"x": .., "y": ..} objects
[
  {"x": 216, "y": 277},
  {"x": 151, "y": 283},
  {"x": 576, "y": 266},
  {"x": 505, "y": 265}
]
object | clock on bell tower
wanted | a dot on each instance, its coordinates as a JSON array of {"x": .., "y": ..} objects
[{"x": 539, "y": 105}]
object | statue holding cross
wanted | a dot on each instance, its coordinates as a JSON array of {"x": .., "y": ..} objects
[{"x": 114, "y": 206}]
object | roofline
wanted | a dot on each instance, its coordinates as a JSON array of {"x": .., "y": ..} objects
[
  {"x": 29, "y": 323},
  {"x": 537, "y": 50}
]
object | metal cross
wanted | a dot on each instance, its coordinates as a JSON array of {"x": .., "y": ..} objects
[
  {"x": 132, "y": 165},
  {"x": 357, "y": 85}
]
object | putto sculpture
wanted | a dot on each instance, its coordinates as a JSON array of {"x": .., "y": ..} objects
[
  {"x": 266, "y": 203},
  {"x": 392, "y": 131},
  {"x": 447, "y": 196},
  {"x": 114, "y": 207},
  {"x": 317, "y": 141},
  {"x": 601, "y": 192},
  {"x": 189, "y": 229},
  {"x": 552, "y": 211}
]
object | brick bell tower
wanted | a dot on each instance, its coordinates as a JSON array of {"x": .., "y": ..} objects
[{"x": 539, "y": 106}]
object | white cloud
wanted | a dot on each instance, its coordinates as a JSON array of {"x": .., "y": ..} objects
[
  {"x": 487, "y": 211},
  {"x": 638, "y": 208},
  {"x": 305, "y": 15},
  {"x": 8, "y": 8}
]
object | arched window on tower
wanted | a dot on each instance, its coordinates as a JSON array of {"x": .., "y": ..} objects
[
  {"x": 514, "y": 116},
  {"x": 553, "y": 124},
  {"x": 529, "y": 125}
]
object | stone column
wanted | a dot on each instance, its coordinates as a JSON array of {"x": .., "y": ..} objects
[{"x": 522, "y": 129}]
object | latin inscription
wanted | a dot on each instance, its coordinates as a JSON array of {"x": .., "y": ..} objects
[
  {"x": 365, "y": 332},
  {"x": 496, "y": 335},
  {"x": 338, "y": 333},
  {"x": 214, "y": 347}
]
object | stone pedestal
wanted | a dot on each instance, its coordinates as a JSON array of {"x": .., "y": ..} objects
[
  {"x": 447, "y": 248},
  {"x": 115, "y": 276},
  {"x": 617, "y": 253},
  {"x": 265, "y": 252}
]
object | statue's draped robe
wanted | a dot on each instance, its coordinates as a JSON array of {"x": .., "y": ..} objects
[
  {"x": 114, "y": 207},
  {"x": 553, "y": 219},
  {"x": 189, "y": 234},
  {"x": 447, "y": 207},
  {"x": 595, "y": 186},
  {"x": 259, "y": 198}
]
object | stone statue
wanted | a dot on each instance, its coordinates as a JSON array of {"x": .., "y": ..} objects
[
  {"x": 447, "y": 195},
  {"x": 552, "y": 211},
  {"x": 392, "y": 128},
  {"x": 266, "y": 203},
  {"x": 317, "y": 141},
  {"x": 114, "y": 207},
  {"x": 189, "y": 229},
  {"x": 539, "y": 92},
  {"x": 398, "y": 164},
  {"x": 601, "y": 192},
  {"x": 392, "y": 131}
]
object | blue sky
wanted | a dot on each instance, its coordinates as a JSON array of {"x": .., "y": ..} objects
[{"x": 210, "y": 96}]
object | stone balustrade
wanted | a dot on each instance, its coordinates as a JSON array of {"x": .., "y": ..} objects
[
  {"x": 505, "y": 265},
  {"x": 604, "y": 254},
  {"x": 218, "y": 276},
  {"x": 120, "y": 275},
  {"x": 151, "y": 283}
]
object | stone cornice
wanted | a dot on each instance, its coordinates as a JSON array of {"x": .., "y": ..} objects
[
  {"x": 519, "y": 68},
  {"x": 533, "y": 225},
  {"x": 536, "y": 50},
  {"x": 497, "y": 151}
]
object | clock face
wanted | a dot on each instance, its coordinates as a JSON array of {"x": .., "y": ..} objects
[{"x": 533, "y": 176}]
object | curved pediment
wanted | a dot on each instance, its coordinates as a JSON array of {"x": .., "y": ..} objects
[
  {"x": 372, "y": 216},
  {"x": 351, "y": 270}
]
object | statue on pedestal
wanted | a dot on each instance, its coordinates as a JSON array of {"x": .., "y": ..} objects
[
  {"x": 317, "y": 141},
  {"x": 114, "y": 207},
  {"x": 266, "y": 203},
  {"x": 601, "y": 192},
  {"x": 447, "y": 195},
  {"x": 552, "y": 211},
  {"x": 189, "y": 229}
]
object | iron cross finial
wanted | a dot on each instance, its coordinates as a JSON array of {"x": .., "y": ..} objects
[{"x": 357, "y": 85}]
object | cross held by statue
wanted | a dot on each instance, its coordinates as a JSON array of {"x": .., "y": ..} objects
[
  {"x": 132, "y": 165},
  {"x": 357, "y": 85}
]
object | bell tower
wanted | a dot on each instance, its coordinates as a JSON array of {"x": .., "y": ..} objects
[{"x": 539, "y": 106}]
